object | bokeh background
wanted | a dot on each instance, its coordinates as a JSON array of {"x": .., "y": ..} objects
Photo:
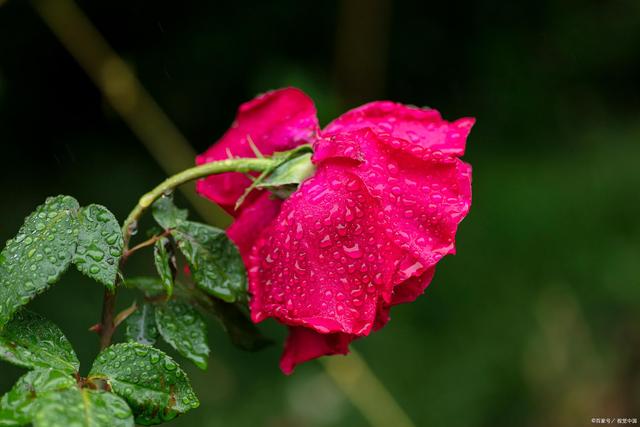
[{"x": 535, "y": 322}]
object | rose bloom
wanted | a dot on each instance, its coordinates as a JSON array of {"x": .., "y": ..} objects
[{"x": 361, "y": 235}]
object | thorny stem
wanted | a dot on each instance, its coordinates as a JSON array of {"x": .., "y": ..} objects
[
  {"x": 228, "y": 165},
  {"x": 107, "y": 325}
]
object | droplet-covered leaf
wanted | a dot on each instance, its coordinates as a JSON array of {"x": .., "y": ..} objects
[
  {"x": 214, "y": 260},
  {"x": 151, "y": 382},
  {"x": 166, "y": 213},
  {"x": 165, "y": 264},
  {"x": 82, "y": 408},
  {"x": 38, "y": 255},
  {"x": 100, "y": 244},
  {"x": 141, "y": 325},
  {"x": 151, "y": 286},
  {"x": 31, "y": 341},
  {"x": 182, "y": 327},
  {"x": 18, "y": 405}
]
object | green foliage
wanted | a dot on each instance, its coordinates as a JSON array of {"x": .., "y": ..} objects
[
  {"x": 127, "y": 380},
  {"x": 17, "y": 407},
  {"x": 38, "y": 255},
  {"x": 214, "y": 260},
  {"x": 82, "y": 408},
  {"x": 184, "y": 329},
  {"x": 285, "y": 179},
  {"x": 151, "y": 287},
  {"x": 31, "y": 341},
  {"x": 100, "y": 245},
  {"x": 165, "y": 262},
  {"x": 166, "y": 213},
  {"x": 49, "y": 396},
  {"x": 55, "y": 234},
  {"x": 151, "y": 382},
  {"x": 288, "y": 169},
  {"x": 141, "y": 325},
  {"x": 241, "y": 330}
]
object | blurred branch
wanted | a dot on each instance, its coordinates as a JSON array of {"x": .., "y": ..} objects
[
  {"x": 126, "y": 95},
  {"x": 352, "y": 375}
]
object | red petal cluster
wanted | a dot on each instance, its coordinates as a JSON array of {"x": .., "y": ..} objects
[{"x": 363, "y": 234}]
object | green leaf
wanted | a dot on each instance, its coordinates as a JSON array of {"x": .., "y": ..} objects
[
  {"x": 286, "y": 177},
  {"x": 153, "y": 384},
  {"x": 289, "y": 168},
  {"x": 214, "y": 260},
  {"x": 82, "y": 408},
  {"x": 182, "y": 327},
  {"x": 154, "y": 230},
  {"x": 151, "y": 286},
  {"x": 141, "y": 325},
  {"x": 165, "y": 264},
  {"x": 17, "y": 406},
  {"x": 38, "y": 255},
  {"x": 100, "y": 245},
  {"x": 166, "y": 213},
  {"x": 241, "y": 330},
  {"x": 32, "y": 341}
]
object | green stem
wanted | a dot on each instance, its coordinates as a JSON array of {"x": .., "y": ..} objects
[
  {"x": 107, "y": 324},
  {"x": 197, "y": 172}
]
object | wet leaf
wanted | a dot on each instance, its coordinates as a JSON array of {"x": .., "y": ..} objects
[
  {"x": 82, "y": 408},
  {"x": 151, "y": 382},
  {"x": 100, "y": 244},
  {"x": 215, "y": 263},
  {"x": 182, "y": 327},
  {"x": 18, "y": 405},
  {"x": 166, "y": 213},
  {"x": 38, "y": 255},
  {"x": 165, "y": 264},
  {"x": 151, "y": 286},
  {"x": 241, "y": 330},
  {"x": 31, "y": 341},
  {"x": 153, "y": 231},
  {"x": 141, "y": 325}
]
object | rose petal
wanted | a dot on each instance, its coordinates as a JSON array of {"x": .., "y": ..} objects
[
  {"x": 423, "y": 127},
  {"x": 423, "y": 198},
  {"x": 305, "y": 344},
  {"x": 407, "y": 291},
  {"x": 325, "y": 261},
  {"x": 275, "y": 121},
  {"x": 363, "y": 234},
  {"x": 252, "y": 220},
  {"x": 412, "y": 288}
]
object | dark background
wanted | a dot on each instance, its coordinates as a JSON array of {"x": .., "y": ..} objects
[{"x": 535, "y": 322}]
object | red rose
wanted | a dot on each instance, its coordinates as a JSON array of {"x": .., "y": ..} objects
[{"x": 363, "y": 234}]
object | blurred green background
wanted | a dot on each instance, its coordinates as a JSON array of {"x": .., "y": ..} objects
[{"x": 535, "y": 322}]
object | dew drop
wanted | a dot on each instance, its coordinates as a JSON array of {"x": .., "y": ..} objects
[
  {"x": 96, "y": 254},
  {"x": 353, "y": 251}
]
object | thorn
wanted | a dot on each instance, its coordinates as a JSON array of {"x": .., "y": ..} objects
[
  {"x": 97, "y": 328},
  {"x": 124, "y": 314},
  {"x": 254, "y": 148}
]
